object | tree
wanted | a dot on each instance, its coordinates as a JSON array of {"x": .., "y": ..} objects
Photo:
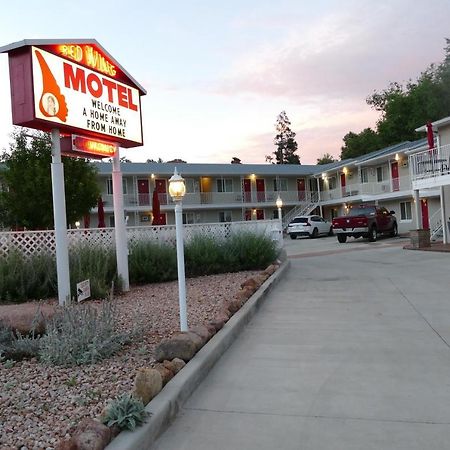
[
  {"x": 285, "y": 143},
  {"x": 326, "y": 158},
  {"x": 235, "y": 160},
  {"x": 359, "y": 144},
  {"x": 26, "y": 200}
]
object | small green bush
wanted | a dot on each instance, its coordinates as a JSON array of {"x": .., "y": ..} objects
[
  {"x": 151, "y": 262},
  {"x": 203, "y": 255},
  {"x": 24, "y": 278},
  {"x": 15, "y": 346},
  {"x": 96, "y": 264},
  {"x": 126, "y": 412},
  {"x": 82, "y": 334},
  {"x": 253, "y": 251}
]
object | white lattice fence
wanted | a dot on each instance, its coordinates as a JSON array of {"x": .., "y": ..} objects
[{"x": 32, "y": 242}]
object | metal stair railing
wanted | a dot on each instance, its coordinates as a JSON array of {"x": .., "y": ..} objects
[
  {"x": 303, "y": 209},
  {"x": 436, "y": 231}
]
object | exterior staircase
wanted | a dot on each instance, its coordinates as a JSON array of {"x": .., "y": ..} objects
[
  {"x": 436, "y": 231},
  {"x": 303, "y": 209}
]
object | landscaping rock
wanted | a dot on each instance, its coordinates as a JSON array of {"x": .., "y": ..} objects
[
  {"x": 90, "y": 434},
  {"x": 211, "y": 329},
  {"x": 178, "y": 346},
  {"x": 217, "y": 323},
  {"x": 166, "y": 373},
  {"x": 195, "y": 338},
  {"x": 251, "y": 283},
  {"x": 203, "y": 332},
  {"x": 270, "y": 269},
  {"x": 234, "y": 305},
  {"x": 69, "y": 444},
  {"x": 147, "y": 384},
  {"x": 178, "y": 364},
  {"x": 23, "y": 318}
]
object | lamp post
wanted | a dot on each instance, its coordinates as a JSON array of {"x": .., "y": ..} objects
[
  {"x": 177, "y": 189},
  {"x": 279, "y": 204}
]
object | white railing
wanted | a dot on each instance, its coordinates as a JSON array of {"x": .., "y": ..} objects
[
  {"x": 33, "y": 242},
  {"x": 431, "y": 163},
  {"x": 302, "y": 209}
]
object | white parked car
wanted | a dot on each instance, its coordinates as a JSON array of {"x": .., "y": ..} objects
[{"x": 312, "y": 226}]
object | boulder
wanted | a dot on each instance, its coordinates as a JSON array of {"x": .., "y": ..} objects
[
  {"x": 203, "y": 332},
  {"x": 234, "y": 305},
  {"x": 147, "y": 384},
  {"x": 27, "y": 317},
  {"x": 211, "y": 328},
  {"x": 68, "y": 444},
  {"x": 90, "y": 434},
  {"x": 166, "y": 373},
  {"x": 195, "y": 338},
  {"x": 178, "y": 346},
  {"x": 250, "y": 282},
  {"x": 270, "y": 269},
  {"x": 177, "y": 365},
  {"x": 217, "y": 323}
]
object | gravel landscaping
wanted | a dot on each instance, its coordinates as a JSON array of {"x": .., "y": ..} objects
[{"x": 40, "y": 405}]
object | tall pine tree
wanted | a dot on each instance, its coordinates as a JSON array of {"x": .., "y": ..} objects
[{"x": 285, "y": 143}]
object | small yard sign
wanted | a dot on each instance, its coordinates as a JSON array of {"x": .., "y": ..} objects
[{"x": 83, "y": 290}]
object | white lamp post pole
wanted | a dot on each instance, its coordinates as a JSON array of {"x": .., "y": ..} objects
[
  {"x": 279, "y": 204},
  {"x": 177, "y": 189}
]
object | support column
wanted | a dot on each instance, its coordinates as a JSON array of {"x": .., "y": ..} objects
[
  {"x": 60, "y": 221},
  {"x": 119, "y": 224},
  {"x": 318, "y": 197},
  {"x": 417, "y": 210},
  {"x": 443, "y": 216}
]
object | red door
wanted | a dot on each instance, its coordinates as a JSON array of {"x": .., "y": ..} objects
[
  {"x": 162, "y": 219},
  {"x": 394, "y": 175},
  {"x": 259, "y": 214},
  {"x": 247, "y": 188},
  {"x": 344, "y": 190},
  {"x": 425, "y": 218},
  {"x": 260, "y": 190},
  {"x": 301, "y": 189},
  {"x": 160, "y": 187},
  {"x": 143, "y": 192}
]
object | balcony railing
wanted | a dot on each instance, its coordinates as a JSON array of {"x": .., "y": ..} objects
[
  {"x": 372, "y": 188},
  {"x": 428, "y": 164},
  {"x": 252, "y": 198}
]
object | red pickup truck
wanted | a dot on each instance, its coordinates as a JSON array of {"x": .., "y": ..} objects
[{"x": 366, "y": 221}]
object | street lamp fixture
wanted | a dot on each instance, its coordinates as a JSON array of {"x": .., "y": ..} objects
[
  {"x": 279, "y": 204},
  {"x": 177, "y": 189}
]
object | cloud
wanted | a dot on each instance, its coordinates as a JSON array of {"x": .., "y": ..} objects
[{"x": 350, "y": 52}]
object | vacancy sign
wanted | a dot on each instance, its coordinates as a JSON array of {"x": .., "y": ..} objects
[{"x": 76, "y": 87}]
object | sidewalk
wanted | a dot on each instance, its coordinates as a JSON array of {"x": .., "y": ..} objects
[{"x": 349, "y": 351}]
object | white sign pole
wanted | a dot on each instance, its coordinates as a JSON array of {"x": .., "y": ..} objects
[
  {"x": 59, "y": 217},
  {"x": 119, "y": 224}
]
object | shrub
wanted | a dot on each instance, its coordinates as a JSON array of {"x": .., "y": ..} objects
[
  {"x": 22, "y": 278},
  {"x": 252, "y": 250},
  {"x": 15, "y": 346},
  {"x": 151, "y": 262},
  {"x": 82, "y": 334},
  {"x": 126, "y": 412},
  {"x": 203, "y": 255},
  {"x": 97, "y": 264}
]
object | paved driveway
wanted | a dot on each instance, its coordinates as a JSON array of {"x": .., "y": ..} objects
[{"x": 351, "y": 351}]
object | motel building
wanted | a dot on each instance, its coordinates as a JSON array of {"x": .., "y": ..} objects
[{"x": 408, "y": 178}]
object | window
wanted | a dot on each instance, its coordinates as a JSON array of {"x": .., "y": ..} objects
[
  {"x": 380, "y": 176},
  {"x": 364, "y": 175},
  {"x": 191, "y": 185},
  {"x": 405, "y": 211},
  {"x": 331, "y": 183},
  {"x": 224, "y": 185},
  {"x": 188, "y": 218},
  {"x": 225, "y": 216},
  {"x": 280, "y": 184},
  {"x": 111, "y": 221},
  {"x": 109, "y": 186}
]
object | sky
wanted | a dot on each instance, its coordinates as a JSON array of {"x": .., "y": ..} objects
[{"x": 217, "y": 73}]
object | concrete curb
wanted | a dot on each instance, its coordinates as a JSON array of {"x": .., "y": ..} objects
[{"x": 165, "y": 406}]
